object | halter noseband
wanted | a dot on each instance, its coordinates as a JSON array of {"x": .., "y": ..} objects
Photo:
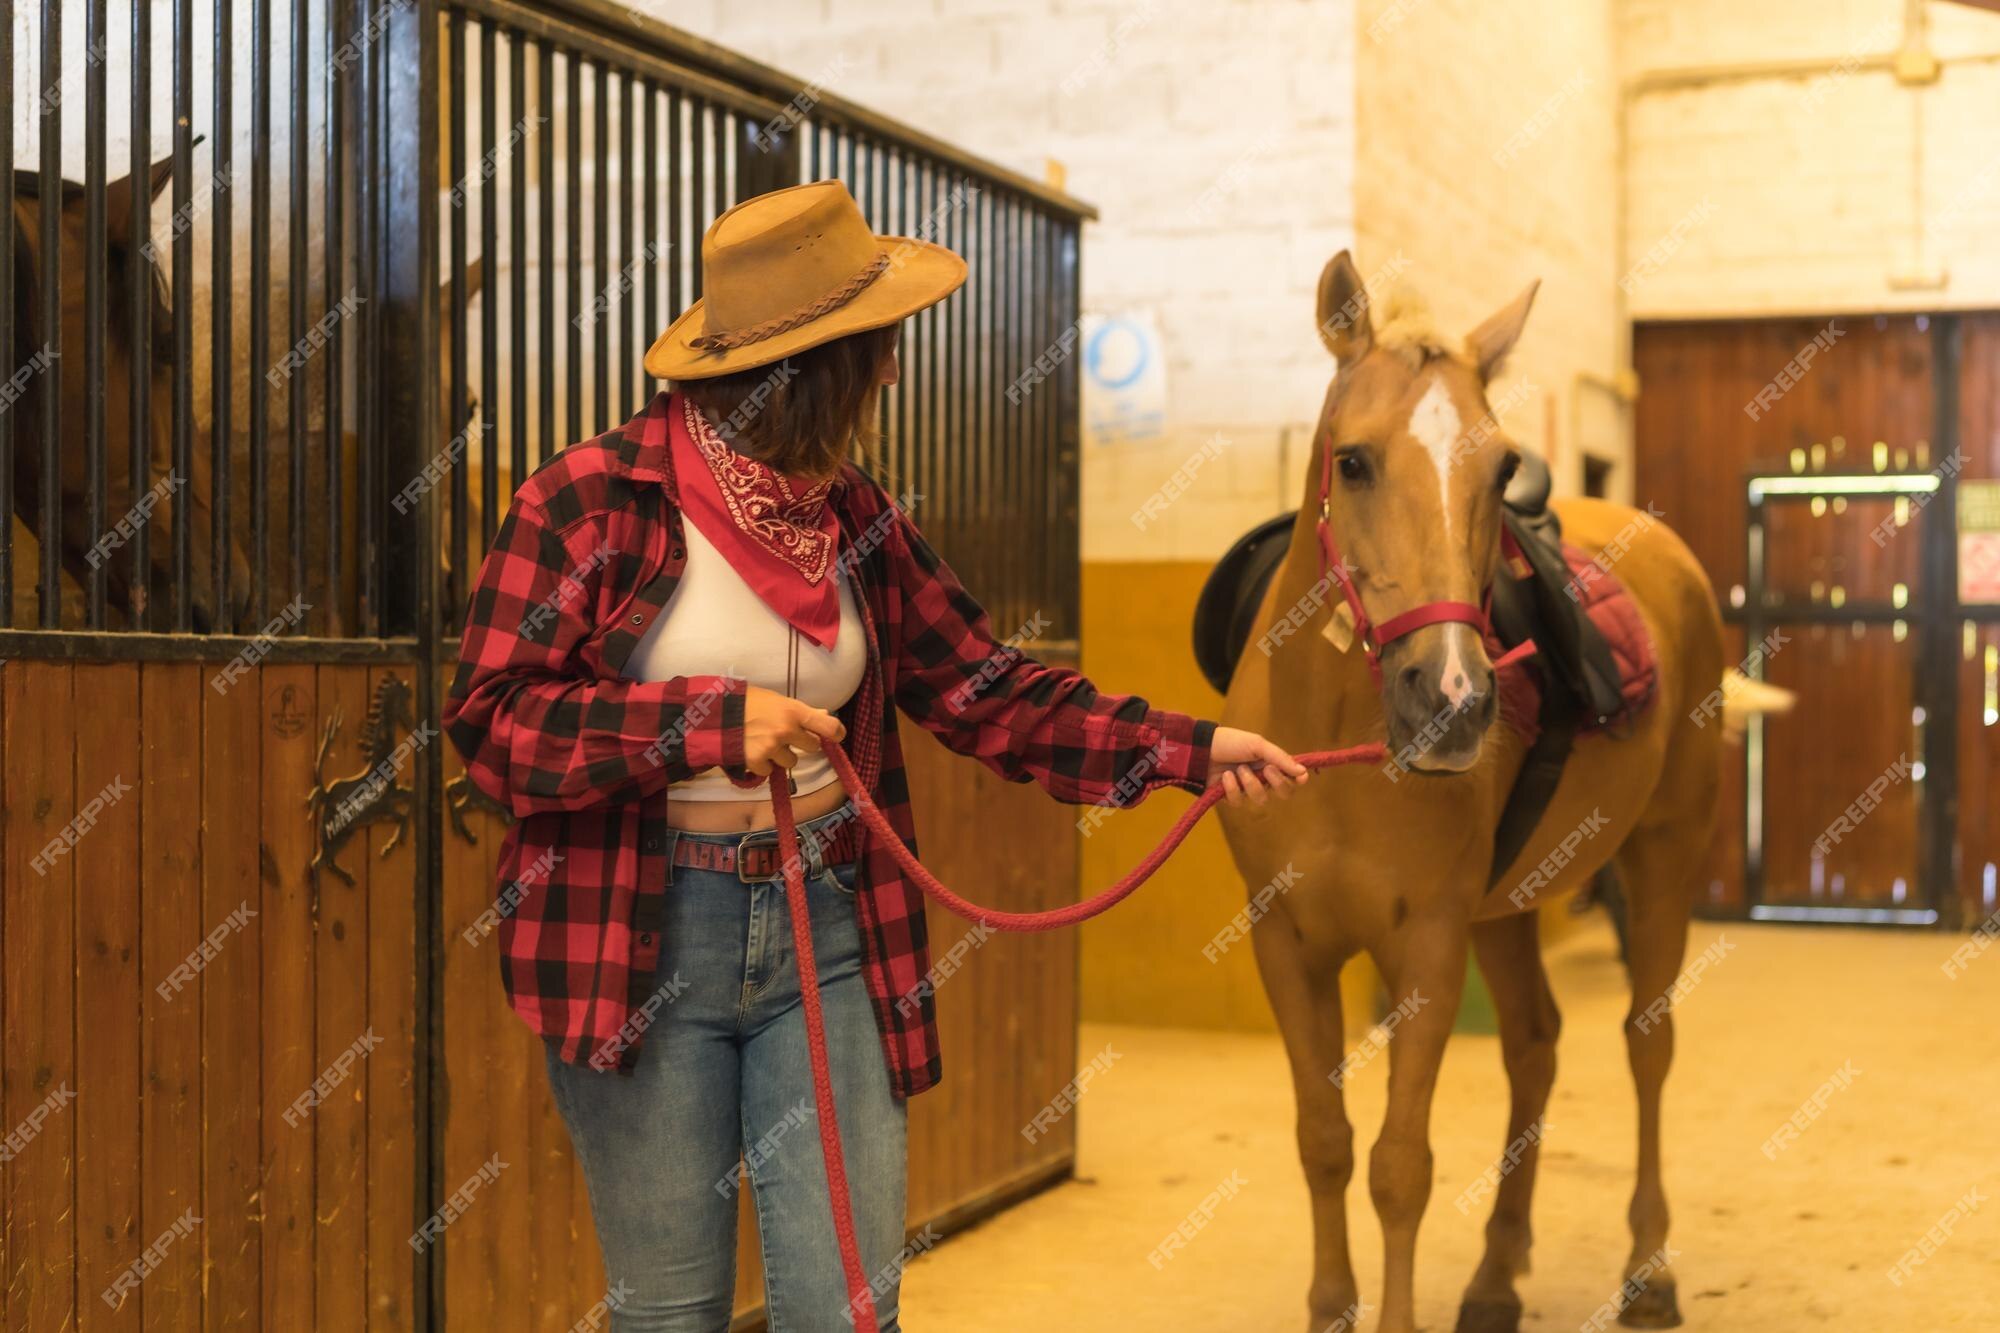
[{"x": 1375, "y": 637}]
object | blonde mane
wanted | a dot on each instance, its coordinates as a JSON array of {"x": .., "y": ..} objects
[{"x": 1407, "y": 330}]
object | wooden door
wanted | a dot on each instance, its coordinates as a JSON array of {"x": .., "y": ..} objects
[{"x": 1847, "y": 586}]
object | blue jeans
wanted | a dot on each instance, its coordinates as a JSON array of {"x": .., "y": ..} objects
[{"x": 724, "y": 1078}]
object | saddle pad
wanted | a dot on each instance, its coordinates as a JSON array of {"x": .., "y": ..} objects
[{"x": 1616, "y": 616}]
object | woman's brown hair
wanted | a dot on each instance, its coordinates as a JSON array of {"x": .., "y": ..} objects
[{"x": 807, "y": 414}]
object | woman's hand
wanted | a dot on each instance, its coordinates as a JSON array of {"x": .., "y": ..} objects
[
  {"x": 1249, "y": 768},
  {"x": 776, "y": 729}
]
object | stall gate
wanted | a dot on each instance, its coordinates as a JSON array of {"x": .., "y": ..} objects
[{"x": 364, "y": 266}]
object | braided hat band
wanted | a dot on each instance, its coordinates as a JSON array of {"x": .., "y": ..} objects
[{"x": 805, "y": 314}]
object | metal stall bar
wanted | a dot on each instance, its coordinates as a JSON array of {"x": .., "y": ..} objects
[
  {"x": 629, "y": 261},
  {"x": 137, "y": 245},
  {"x": 1069, "y": 425},
  {"x": 591, "y": 308},
  {"x": 650, "y": 325},
  {"x": 260, "y": 308},
  {"x": 697, "y": 174},
  {"x": 459, "y": 432},
  {"x": 94, "y": 109},
  {"x": 298, "y": 397},
  {"x": 222, "y": 597},
  {"x": 573, "y": 245},
  {"x": 334, "y": 272},
  {"x": 545, "y": 257},
  {"x": 517, "y": 294},
  {"x": 460, "y": 175},
  {"x": 183, "y": 316},
  {"x": 405, "y": 367},
  {"x": 50, "y": 227}
]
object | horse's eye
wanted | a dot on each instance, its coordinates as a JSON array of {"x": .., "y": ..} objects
[
  {"x": 1508, "y": 467},
  {"x": 1353, "y": 467}
]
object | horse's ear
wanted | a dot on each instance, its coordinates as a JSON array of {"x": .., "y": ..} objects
[
  {"x": 118, "y": 199},
  {"x": 1491, "y": 341},
  {"x": 475, "y": 279},
  {"x": 1344, "y": 325}
]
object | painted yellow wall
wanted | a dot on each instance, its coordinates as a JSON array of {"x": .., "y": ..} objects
[{"x": 1143, "y": 963}]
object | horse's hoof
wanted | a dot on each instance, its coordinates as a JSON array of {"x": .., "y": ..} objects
[
  {"x": 1489, "y": 1316},
  {"x": 1654, "y": 1307}
]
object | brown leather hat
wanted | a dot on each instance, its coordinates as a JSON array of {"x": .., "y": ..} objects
[{"x": 793, "y": 269}]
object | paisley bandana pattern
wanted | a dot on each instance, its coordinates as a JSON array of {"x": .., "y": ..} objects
[{"x": 764, "y": 505}]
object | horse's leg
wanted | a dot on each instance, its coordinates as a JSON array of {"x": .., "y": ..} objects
[
  {"x": 1307, "y": 1004},
  {"x": 1510, "y": 958},
  {"x": 1658, "y": 866},
  {"x": 1424, "y": 965}
]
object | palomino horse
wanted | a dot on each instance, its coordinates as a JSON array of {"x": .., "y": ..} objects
[{"x": 1400, "y": 868}]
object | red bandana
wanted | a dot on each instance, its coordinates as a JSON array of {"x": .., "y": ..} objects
[{"x": 780, "y": 537}]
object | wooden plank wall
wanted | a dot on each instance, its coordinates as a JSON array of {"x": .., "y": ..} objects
[
  {"x": 1695, "y": 443},
  {"x": 136, "y": 1105},
  {"x": 530, "y": 1262}
]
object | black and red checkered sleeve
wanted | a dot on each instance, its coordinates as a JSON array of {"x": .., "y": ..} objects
[
  {"x": 1025, "y": 720},
  {"x": 538, "y": 732}
]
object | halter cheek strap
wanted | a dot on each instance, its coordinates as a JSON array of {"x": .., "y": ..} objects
[{"x": 1375, "y": 637}]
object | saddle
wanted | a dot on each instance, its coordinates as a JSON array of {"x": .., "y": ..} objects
[{"x": 1577, "y": 674}]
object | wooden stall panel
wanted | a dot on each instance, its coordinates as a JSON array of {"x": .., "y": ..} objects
[
  {"x": 345, "y": 1040},
  {"x": 106, "y": 908},
  {"x": 396, "y": 953},
  {"x": 232, "y": 777},
  {"x": 289, "y": 738},
  {"x": 169, "y": 887},
  {"x": 176, "y": 990},
  {"x": 38, "y": 995}
]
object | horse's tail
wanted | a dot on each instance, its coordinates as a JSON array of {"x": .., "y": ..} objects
[{"x": 1744, "y": 698}]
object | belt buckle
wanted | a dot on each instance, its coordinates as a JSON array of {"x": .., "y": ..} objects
[{"x": 744, "y": 844}]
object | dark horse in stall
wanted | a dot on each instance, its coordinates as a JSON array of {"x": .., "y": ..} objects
[{"x": 63, "y": 370}]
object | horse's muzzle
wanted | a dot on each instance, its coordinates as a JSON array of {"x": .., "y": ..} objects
[{"x": 1439, "y": 698}]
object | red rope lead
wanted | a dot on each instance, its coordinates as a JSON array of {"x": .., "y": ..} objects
[{"x": 860, "y": 1292}]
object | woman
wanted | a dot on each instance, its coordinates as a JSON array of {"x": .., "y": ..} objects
[{"x": 674, "y": 611}]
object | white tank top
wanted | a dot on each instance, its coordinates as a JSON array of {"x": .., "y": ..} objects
[{"x": 715, "y": 625}]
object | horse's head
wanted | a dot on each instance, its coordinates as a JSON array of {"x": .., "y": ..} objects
[
  {"x": 1417, "y": 466},
  {"x": 126, "y": 355}
]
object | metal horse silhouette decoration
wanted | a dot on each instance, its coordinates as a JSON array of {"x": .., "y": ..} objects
[
  {"x": 460, "y": 797},
  {"x": 340, "y": 807}
]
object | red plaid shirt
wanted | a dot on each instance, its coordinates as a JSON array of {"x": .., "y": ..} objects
[{"x": 588, "y": 556}]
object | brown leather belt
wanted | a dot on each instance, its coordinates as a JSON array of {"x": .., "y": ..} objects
[{"x": 754, "y": 856}]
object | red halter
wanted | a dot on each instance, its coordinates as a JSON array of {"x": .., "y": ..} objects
[{"x": 1375, "y": 637}]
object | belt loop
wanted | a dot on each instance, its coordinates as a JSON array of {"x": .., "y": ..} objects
[
  {"x": 813, "y": 847},
  {"x": 673, "y": 846}
]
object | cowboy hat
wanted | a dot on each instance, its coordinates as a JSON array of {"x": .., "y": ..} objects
[{"x": 793, "y": 269}]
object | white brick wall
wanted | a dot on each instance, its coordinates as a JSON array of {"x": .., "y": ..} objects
[
  {"x": 1822, "y": 188},
  {"x": 1444, "y": 89}
]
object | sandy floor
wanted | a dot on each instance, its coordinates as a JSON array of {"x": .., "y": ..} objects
[{"x": 1803, "y": 1242}]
